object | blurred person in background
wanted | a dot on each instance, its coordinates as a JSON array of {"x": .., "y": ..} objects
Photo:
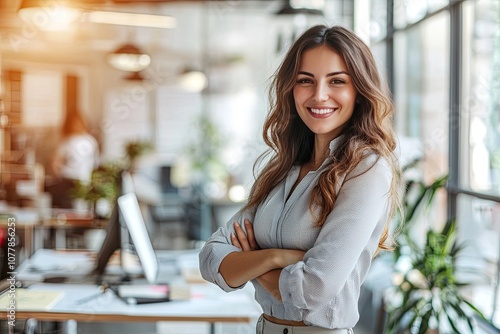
[{"x": 75, "y": 158}]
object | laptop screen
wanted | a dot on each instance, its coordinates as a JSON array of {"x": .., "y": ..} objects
[{"x": 132, "y": 215}]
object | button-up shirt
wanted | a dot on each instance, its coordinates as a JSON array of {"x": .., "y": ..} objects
[{"x": 323, "y": 289}]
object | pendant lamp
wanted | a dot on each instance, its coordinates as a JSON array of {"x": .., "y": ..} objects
[
  {"x": 129, "y": 58},
  {"x": 49, "y": 14},
  {"x": 310, "y": 7}
]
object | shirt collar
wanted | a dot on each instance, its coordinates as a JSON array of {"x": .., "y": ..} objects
[{"x": 335, "y": 143}]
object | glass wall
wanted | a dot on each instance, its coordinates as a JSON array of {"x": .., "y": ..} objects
[
  {"x": 421, "y": 89},
  {"x": 478, "y": 129},
  {"x": 443, "y": 63},
  {"x": 480, "y": 101},
  {"x": 479, "y": 220}
]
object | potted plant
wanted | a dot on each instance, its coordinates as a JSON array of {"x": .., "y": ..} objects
[
  {"x": 134, "y": 149},
  {"x": 417, "y": 197},
  {"x": 426, "y": 296},
  {"x": 205, "y": 156},
  {"x": 103, "y": 185},
  {"x": 104, "y": 182}
]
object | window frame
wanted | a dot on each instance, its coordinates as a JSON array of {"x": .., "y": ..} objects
[
  {"x": 454, "y": 188},
  {"x": 454, "y": 7}
]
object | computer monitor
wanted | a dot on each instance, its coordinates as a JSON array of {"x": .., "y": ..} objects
[
  {"x": 111, "y": 243},
  {"x": 116, "y": 232},
  {"x": 167, "y": 186},
  {"x": 127, "y": 232},
  {"x": 130, "y": 212},
  {"x": 133, "y": 239}
]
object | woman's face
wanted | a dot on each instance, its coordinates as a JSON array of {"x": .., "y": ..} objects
[{"x": 324, "y": 94}]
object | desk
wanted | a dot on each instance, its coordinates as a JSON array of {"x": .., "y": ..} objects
[
  {"x": 63, "y": 220},
  {"x": 34, "y": 222},
  {"x": 23, "y": 219},
  {"x": 208, "y": 303},
  {"x": 48, "y": 263}
]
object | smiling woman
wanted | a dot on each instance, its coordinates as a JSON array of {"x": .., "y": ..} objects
[
  {"x": 319, "y": 211},
  {"x": 324, "y": 94}
]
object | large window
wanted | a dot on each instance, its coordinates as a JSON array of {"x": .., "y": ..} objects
[
  {"x": 478, "y": 129},
  {"x": 443, "y": 61},
  {"x": 421, "y": 89},
  {"x": 480, "y": 104}
]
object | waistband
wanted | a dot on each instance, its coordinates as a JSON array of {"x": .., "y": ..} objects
[{"x": 265, "y": 326}]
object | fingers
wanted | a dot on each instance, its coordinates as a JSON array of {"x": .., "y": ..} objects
[
  {"x": 235, "y": 241},
  {"x": 251, "y": 236},
  {"x": 244, "y": 241},
  {"x": 241, "y": 237}
]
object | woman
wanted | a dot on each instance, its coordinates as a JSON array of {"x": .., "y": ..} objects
[{"x": 319, "y": 211}]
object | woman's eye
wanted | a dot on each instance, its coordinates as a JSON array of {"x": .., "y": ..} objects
[
  {"x": 338, "y": 81},
  {"x": 304, "y": 81}
]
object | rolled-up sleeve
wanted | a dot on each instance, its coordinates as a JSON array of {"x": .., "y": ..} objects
[
  {"x": 217, "y": 247},
  {"x": 338, "y": 262}
]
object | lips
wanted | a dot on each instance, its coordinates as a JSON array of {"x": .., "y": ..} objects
[{"x": 321, "y": 112}]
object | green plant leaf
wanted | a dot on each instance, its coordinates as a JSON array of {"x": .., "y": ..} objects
[
  {"x": 439, "y": 298},
  {"x": 451, "y": 321},
  {"x": 424, "y": 324},
  {"x": 397, "y": 315}
]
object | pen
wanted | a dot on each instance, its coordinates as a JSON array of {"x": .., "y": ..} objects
[{"x": 103, "y": 287}]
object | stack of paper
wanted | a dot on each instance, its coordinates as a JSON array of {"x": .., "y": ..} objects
[{"x": 29, "y": 300}]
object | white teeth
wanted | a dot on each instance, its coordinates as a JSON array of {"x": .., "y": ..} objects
[{"x": 322, "y": 111}]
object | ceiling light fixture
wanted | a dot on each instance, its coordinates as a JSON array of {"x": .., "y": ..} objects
[
  {"x": 134, "y": 76},
  {"x": 49, "y": 14},
  {"x": 129, "y": 58},
  {"x": 312, "y": 7},
  {"x": 193, "y": 80},
  {"x": 132, "y": 19}
]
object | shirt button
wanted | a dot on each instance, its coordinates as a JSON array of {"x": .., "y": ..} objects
[{"x": 285, "y": 331}]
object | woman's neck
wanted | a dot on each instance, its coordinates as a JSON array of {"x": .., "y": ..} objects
[
  {"x": 320, "y": 153},
  {"x": 314, "y": 163}
]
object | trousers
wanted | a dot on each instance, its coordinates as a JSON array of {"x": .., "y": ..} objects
[{"x": 267, "y": 327}]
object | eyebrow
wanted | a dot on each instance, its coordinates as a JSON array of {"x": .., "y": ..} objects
[{"x": 328, "y": 75}]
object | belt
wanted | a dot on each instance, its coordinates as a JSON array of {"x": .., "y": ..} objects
[{"x": 265, "y": 326}]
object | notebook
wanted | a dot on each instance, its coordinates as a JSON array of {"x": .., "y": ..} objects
[{"x": 29, "y": 300}]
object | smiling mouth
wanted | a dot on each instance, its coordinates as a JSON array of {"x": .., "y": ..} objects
[{"x": 322, "y": 111}]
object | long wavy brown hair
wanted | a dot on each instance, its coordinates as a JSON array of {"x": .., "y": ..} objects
[{"x": 370, "y": 129}]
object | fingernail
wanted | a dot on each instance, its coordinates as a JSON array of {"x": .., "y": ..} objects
[{"x": 235, "y": 224}]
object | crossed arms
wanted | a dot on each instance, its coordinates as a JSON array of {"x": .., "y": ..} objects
[{"x": 265, "y": 265}]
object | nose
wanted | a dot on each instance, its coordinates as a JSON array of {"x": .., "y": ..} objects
[{"x": 320, "y": 92}]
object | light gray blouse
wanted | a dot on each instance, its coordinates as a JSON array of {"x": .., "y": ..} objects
[{"x": 322, "y": 289}]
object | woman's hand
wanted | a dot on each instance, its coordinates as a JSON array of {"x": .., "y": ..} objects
[
  {"x": 237, "y": 268},
  {"x": 245, "y": 242},
  {"x": 282, "y": 257}
]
